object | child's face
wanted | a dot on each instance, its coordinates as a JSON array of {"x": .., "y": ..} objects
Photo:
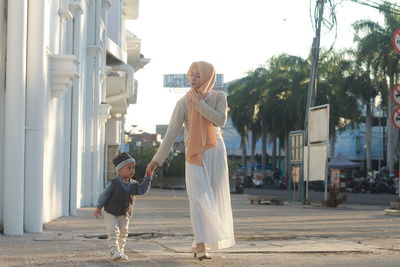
[{"x": 127, "y": 171}]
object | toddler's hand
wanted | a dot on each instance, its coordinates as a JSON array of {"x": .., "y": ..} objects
[
  {"x": 97, "y": 212},
  {"x": 150, "y": 168}
]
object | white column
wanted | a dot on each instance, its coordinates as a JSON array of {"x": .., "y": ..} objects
[
  {"x": 97, "y": 59},
  {"x": 2, "y": 103},
  {"x": 76, "y": 142},
  {"x": 66, "y": 42},
  {"x": 14, "y": 148},
  {"x": 35, "y": 103},
  {"x": 88, "y": 105}
]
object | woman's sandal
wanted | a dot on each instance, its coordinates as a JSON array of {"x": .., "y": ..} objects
[{"x": 203, "y": 256}]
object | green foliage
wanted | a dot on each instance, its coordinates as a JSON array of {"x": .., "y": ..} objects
[
  {"x": 233, "y": 165},
  {"x": 142, "y": 155},
  {"x": 175, "y": 165}
]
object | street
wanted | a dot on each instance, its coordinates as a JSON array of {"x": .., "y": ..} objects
[
  {"x": 318, "y": 196},
  {"x": 266, "y": 235}
]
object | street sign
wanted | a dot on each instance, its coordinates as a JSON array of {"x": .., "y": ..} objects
[
  {"x": 396, "y": 117},
  {"x": 396, "y": 40},
  {"x": 396, "y": 94},
  {"x": 296, "y": 146}
]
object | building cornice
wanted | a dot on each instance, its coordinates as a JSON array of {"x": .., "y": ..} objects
[
  {"x": 63, "y": 71},
  {"x": 76, "y": 7},
  {"x": 65, "y": 14}
]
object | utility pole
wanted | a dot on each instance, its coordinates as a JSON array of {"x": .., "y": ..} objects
[{"x": 312, "y": 88}]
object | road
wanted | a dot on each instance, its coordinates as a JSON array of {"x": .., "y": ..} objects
[
  {"x": 266, "y": 235},
  {"x": 317, "y": 196}
]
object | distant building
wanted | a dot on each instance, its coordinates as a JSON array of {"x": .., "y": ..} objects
[
  {"x": 161, "y": 129},
  {"x": 144, "y": 139},
  {"x": 179, "y": 144}
]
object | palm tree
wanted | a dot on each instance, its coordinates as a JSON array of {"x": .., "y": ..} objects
[
  {"x": 243, "y": 100},
  {"x": 283, "y": 104},
  {"x": 334, "y": 71},
  {"x": 255, "y": 86},
  {"x": 362, "y": 87},
  {"x": 239, "y": 112},
  {"x": 375, "y": 53}
]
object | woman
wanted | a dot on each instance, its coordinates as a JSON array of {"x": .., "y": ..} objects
[{"x": 203, "y": 111}]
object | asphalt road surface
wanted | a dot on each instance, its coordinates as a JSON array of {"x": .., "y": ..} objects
[{"x": 317, "y": 196}]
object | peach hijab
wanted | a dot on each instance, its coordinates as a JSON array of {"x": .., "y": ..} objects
[{"x": 201, "y": 134}]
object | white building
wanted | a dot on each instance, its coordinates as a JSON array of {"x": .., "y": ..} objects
[{"x": 66, "y": 78}]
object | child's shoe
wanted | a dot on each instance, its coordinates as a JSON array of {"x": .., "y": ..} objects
[
  {"x": 116, "y": 255},
  {"x": 124, "y": 256}
]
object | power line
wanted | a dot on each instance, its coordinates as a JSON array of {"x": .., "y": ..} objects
[
  {"x": 378, "y": 6},
  {"x": 383, "y": 6},
  {"x": 383, "y": 2}
]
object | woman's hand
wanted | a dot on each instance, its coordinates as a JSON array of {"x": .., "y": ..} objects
[
  {"x": 195, "y": 96},
  {"x": 151, "y": 167}
]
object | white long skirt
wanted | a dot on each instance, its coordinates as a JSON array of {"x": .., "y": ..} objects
[{"x": 207, "y": 187}]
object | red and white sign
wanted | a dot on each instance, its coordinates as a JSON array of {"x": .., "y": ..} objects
[
  {"x": 396, "y": 40},
  {"x": 396, "y": 94},
  {"x": 396, "y": 117}
]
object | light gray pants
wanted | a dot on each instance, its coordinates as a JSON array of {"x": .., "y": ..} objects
[{"x": 117, "y": 230}]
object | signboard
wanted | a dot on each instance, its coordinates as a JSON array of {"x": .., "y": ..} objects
[
  {"x": 396, "y": 117},
  {"x": 396, "y": 40},
  {"x": 181, "y": 81},
  {"x": 296, "y": 173},
  {"x": 318, "y": 160},
  {"x": 318, "y": 124},
  {"x": 296, "y": 146},
  {"x": 396, "y": 94}
]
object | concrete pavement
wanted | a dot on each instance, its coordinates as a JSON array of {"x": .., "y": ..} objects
[{"x": 161, "y": 235}]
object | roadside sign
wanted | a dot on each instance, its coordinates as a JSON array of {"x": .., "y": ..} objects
[
  {"x": 296, "y": 176},
  {"x": 296, "y": 146},
  {"x": 396, "y": 117},
  {"x": 396, "y": 40},
  {"x": 396, "y": 94}
]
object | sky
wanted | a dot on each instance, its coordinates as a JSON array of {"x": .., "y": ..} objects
[{"x": 234, "y": 35}]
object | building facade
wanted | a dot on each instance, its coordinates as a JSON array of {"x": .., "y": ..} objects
[{"x": 65, "y": 84}]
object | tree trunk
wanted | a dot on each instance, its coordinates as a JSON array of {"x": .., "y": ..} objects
[
  {"x": 279, "y": 158},
  {"x": 244, "y": 151},
  {"x": 264, "y": 150},
  {"x": 273, "y": 160},
  {"x": 253, "y": 150},
  {"x": 396, "y": 135},
  {"x": 286, "y": 148},
  {"x": 332, "y": 143},
  {"x": 368, "y": 135},
  {"x": 390, "y": 129}
]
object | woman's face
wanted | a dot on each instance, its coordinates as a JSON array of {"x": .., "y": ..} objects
[{"x": 195, "y": 78}]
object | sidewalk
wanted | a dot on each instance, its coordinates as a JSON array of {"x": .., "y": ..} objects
[{"x": 161, "y": 235}]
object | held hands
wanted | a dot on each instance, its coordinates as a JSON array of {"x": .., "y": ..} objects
[
  {"x": 195, "y": 96},
  {"x": 97, "y": 212},
  {"x": 150, "y": 168}
]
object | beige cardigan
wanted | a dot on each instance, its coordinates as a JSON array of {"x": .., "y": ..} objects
[{"x": 214, "y": 108}]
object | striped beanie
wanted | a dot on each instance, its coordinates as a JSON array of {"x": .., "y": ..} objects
[{"x": 121, "y": 160}]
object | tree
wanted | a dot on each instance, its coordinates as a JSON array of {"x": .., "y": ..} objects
[
  {"x": 239, "y": 112},
  {"x": 283, "y": 104},
  {"x": 375, "y": 52},
  {"x": 333, "y": 88}
]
